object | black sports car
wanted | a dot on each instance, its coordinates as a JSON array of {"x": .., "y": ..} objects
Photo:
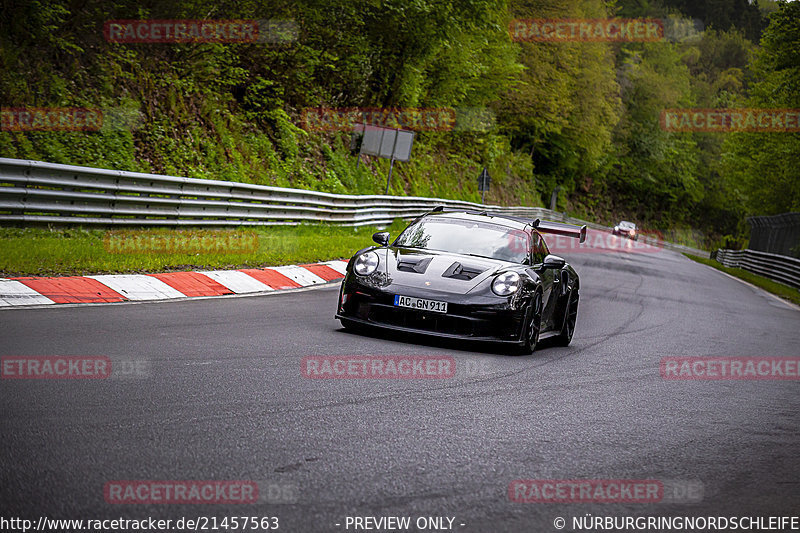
[{"x": 465, "y": 275}]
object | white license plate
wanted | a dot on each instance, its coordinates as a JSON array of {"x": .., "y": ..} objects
[{"x": 420, "y": 303}]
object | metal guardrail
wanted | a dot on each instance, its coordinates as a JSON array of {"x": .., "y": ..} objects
[
  {"x": 39, "y": 192},
  {"x": 34, "y": 191},
  {"x": 781, "y": 268}
]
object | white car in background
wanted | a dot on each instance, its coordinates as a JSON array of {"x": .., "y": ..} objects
[{"x": 626, "y": 229}]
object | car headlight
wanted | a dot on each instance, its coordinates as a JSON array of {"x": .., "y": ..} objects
[
  {"x": 366, "y": 263},
  {"x": 506, "y": 284}
]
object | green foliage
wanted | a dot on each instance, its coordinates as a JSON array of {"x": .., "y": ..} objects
[
  {"x": 766, "y": 166},
  {"x": 565, "y": 105},
  {"x": 721, "y": 15},
  {"x": 656, "y": 172},
  {"x": 83, "y": 251},
  {"x": 582, "y": 116}
]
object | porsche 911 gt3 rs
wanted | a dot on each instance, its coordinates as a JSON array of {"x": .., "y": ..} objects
[{"x": 465, "y": 275}]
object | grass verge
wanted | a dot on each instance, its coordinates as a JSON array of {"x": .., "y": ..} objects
[
  {"x": 778, "y": 289},
  {"x": 81, "y": 251}
]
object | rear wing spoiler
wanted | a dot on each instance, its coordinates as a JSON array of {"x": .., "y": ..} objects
[
  {"x": 559, "y": 228},
  {"x": 544, "y": 226}
]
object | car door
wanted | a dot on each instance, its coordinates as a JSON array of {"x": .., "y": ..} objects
[{"x": 549, "y": 279}]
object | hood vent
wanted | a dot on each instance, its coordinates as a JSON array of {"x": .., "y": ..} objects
[
  {"x": 410, "y": 264},
  {"x": 459, "y": 271}
]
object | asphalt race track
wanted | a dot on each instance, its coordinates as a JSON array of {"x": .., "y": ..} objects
[{"x": 217, "y": 394}]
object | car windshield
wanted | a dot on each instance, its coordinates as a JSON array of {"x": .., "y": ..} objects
[
  {"x": 627, "y": 225},
  {"x": 467, "y": 237}
]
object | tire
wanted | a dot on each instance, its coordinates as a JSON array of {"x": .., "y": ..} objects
[
  {"x": 533, "y": 325},
  {"x": 570, "y": 318}
]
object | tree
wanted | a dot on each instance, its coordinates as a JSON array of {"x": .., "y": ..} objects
[
  {"x": 767, "y": 165},
  {"x": 566, "y": 103},
  {"x": 655, "y": 174}
]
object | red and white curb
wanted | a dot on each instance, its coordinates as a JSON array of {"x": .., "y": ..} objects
[{"x": 103, "y": 288}]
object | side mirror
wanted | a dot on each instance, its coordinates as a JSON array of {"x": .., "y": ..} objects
[
  {"x": 381, "y": 237},
  {"x": 554, "y": 261}
]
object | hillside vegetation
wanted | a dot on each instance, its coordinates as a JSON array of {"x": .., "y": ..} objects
[{"x": 583, "y": 116}]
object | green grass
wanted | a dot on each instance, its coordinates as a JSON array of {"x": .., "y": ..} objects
[
  {"x": 779, "y": 289},
  {"x": 80, "y": 251}
]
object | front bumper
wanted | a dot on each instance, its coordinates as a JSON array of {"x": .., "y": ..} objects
[
  {"x": 626, "y": 234},
  {"x": 476, "y": 318}
]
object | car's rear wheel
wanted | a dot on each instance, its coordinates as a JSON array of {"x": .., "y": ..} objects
[
  {"x": 533, "y": 325},
  {"x": 570, "y": 318}
]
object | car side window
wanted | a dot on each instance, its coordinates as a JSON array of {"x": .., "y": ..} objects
[
  {"x": 538, "y": 250},
  {"x": 545, "y": 249}
]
